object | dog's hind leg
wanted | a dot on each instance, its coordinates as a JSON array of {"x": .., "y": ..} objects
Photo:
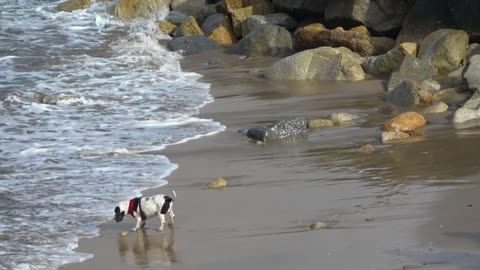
[
  {"x": 172, "y": 218},
  {"x": 143, "y": 223},
  {"x": 162, "y": 221},
  {"x": 137, "y": 226}
]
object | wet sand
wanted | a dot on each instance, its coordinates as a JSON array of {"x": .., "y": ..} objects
[{"x": 411, "y": 205}]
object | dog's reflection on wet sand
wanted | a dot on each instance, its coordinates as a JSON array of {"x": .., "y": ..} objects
[{"x": 146, "y": 249}]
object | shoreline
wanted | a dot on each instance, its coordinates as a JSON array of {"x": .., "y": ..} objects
[{"x": 324, "y": 181}]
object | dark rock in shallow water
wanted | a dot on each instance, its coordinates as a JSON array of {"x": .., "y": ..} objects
[
  {"x": 192, "y": 45},
  {"x": 268, "y": 40},
  {"x": 281, "y": 130}
]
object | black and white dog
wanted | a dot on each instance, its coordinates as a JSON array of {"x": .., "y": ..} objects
[{"x": 143, "y": 208}]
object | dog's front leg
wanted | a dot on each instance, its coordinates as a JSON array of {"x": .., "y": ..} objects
[
  {"x": 137, "y": 226},
  {"x": 162, "y": 221}
]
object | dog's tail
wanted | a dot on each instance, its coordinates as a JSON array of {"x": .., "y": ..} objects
[{"x": 174, "y": 194}]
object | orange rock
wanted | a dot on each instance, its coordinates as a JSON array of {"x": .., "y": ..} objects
[{"x": 405, "y": 122}]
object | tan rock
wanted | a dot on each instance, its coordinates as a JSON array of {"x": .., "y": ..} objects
[
  {"x": 231, "y": 5},
  {"x": 131, "y": 9},
  {"x": 304, "y": 38},
  {"x": 239, "y": 15},
  {"x": 72, "y": 5},
  {"x": 219, "y": 28},
  {"x": 355, "y": 41},
  {"x": 342, "y": 118},
  {"x": 218, "y": 183},
  {"x": 189, "y": 28},
  {"x": 437, "y": 107},
  {"x": 407, "y": 121},
  {"x": 124, "y": 233},
  {"x": 319, "y": 123},
  {"x": 382, "y": 45},
  {"x": 366, "y": 149},
  {"x": 166, "y": 27},
  {"x": 361, "y": 29},
  {"x": 409, "y": 48}
]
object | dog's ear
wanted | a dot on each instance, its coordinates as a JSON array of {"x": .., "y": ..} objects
[{"x": 117, "y": 210}]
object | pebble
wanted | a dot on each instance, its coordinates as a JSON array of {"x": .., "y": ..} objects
[
  {"x": 367, "y": 149},
  {"x": 124, "y": 233},
  {"x": 218, "y": 183},
  {"x": 318, "y": 225}
]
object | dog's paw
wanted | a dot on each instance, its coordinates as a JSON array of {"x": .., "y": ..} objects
[
  {"x": 160, "y": 228},
  {"x": 170, "y": 224},
  {"x": 133, "y": 229}
]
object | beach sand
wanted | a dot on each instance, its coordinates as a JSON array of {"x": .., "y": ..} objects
[{"x": 405, "y": 206}]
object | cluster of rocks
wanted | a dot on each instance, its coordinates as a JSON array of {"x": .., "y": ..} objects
[{"x": 431, "y": 66}]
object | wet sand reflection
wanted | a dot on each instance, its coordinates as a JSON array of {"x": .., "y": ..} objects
[{"x": 145, "y": 249}]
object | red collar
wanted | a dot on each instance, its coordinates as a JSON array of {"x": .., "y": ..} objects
[{"x": 131, "y": 206}]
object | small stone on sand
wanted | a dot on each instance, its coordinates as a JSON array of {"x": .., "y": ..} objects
[
  {"x": 218, "y": 183},
  {"x": 124, "y": 233},
  {"x": 318, "y": 225}
]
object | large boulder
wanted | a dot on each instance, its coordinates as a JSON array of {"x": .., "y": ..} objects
[
  {"x": 305, "y": 37},
  {"x": 192, "y": 45},
  {"x": 427, "y": 16},
  {"x": 280, "y": 131},
  {"x": 218, "y": 28},
  {"x": 444, "y": 48},
  {"x": 131, "y": 9},
  {"x": 388, "y": 62},
  {"x": 302, "y": 7},
  {"x": 189, "y": 28},
  {"x": 204, "y": 12},
  {"x": 409, "y": 94},
  {"x": 472, "y": 73},
  {"x": 380, "y": 16},
  {"x": 280, "y": 19},
  {"x": 355, "y": 41},
  {"x": 407, "y": 121},
  {"x": 469, "y": 111},
  {"x": 323, "y": 63},
  {"x": 411, "y": 69},
  {"x": 241, "y": 14},
  {"x": 71, "y": 5},
  {"x": 268, "y": 40}
]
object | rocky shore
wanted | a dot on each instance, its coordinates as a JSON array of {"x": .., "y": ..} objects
[{"x": 423, "y": 49}]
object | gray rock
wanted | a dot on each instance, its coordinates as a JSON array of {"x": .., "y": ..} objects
[
  {"x": 301, "y": 7},
  {"x": 71, "y": 5},
  {"x": 385, "y": 63},
  {"x": 469, "y": 111},
  {"x": 192, "y": 45},
  {"x": 472, "y": 73},
  {"x": 427, "y": 16},
  {"x": 186, "y": 6},
  {"x": 176, "y": 17},
  {"x": 382, "y": 45},
  {"x": 408, "y": 94},
  {"x": 269, "y": 40},
  {"x": 444, "y": 48},
  {"x": 342, "y": 118},
  {"x": 280, "y": 19},
  {"x": 204, "y": 12},
  {"x": 437, "y": 107},
  {"x": 281, "y": 130},
  {"x": 323, "y": 63},
  {"x": 379, "y": 16},
  {"x": 411, "y": 69},
  {"x": 212, "y": 23}
]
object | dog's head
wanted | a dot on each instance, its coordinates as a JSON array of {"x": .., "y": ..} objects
[{"x": 120, "y": 212}]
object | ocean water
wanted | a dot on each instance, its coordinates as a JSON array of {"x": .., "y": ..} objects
[{"x": 86, "y": 103}]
